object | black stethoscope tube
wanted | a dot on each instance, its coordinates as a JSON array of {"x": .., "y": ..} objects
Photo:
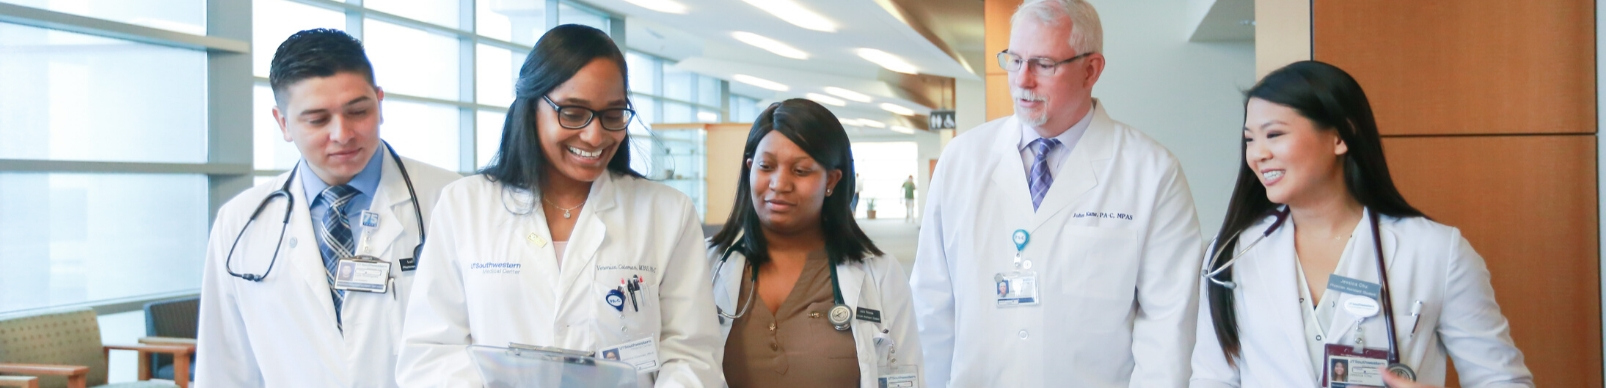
[{"x": 290, "y": 201}]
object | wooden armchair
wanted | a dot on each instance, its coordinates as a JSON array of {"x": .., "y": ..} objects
[{"x": 63, "y": 349}]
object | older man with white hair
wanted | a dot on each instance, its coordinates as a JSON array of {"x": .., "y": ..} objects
[{"x": 1060, "y": 247}]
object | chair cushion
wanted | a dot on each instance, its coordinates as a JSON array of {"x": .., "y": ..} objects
[{"x": 60, "y": 337}]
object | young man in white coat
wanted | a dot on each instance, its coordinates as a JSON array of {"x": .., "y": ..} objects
[
  {"x": 272, "y": 312},
  {"x": 1087, "y": 223}
]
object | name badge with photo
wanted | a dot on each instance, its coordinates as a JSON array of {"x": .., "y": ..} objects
[
  {"x": 362, "y": 273},
  {"x": 1016, "y": 288},
  {"x": 1345, "y": 367},
  {"x": 641, "y": 353}
]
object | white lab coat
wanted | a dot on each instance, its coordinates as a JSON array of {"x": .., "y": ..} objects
[
  {"x": 493, "y": 280},
  {"x": 281, "y": 332},
  {"x": 876, "y": 283},
  {"x": 1115, "y": 245},
  {"x": 1435, "y": 265}
]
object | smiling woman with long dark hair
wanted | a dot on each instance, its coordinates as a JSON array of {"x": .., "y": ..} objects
[
  {"x": 557, "y": 243},
  {"x": 1315, "y": 218},
  {"x": 805, "y": 299}
]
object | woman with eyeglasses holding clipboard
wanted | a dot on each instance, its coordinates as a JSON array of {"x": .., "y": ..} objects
[
  {"x": 1315, "y": 219},
  {"x": 557, "y": 243}
]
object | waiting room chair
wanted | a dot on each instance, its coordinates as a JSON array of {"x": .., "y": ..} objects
[
  {"x": 62, "y": 348},
  {"x": 170, "y": 322}
]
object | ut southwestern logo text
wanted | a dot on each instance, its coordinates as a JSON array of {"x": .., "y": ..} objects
[{"x": 496, "y": 268}]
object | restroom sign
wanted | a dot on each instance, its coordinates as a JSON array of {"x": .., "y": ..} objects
[{"x": 941, "y": 119}]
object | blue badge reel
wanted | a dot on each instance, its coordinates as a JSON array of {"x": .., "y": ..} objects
[{"x": 1017, "y": 287}]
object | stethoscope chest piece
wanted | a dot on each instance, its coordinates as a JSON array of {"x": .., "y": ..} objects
[
  {"x": 1399, "y": 369},
  {"x": 839, "y": 316}
]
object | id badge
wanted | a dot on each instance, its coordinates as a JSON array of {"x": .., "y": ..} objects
[
  {"x": 1344, "y": 367},
  {"x": 898, "y": 376},
  {"x": 362, "y": 273},
  {"x": 641, "y": 353},
  {"x": 1016, "y": 288}
]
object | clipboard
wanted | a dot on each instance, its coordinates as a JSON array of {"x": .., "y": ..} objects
[{"x": 524, "y": 366}]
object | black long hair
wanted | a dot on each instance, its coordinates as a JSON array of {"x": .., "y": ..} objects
[
  {"x": 520, "y": 163},
  {"x": 1333, "y": 101},
  {"x": 819, "y": 134}
]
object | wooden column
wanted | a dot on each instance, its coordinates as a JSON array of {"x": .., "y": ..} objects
[{"x": 1488, "y": 114}]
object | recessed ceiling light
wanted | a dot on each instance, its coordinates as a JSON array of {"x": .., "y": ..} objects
[
  {"x": 897, "y": 109},
  {"x": 665, "y": 6},
  {"x": 793, "y": 13},
  {"x": 887, "y": 61},
  {"x": 771, "y": 45},
  {"x": 763, "y": 83},
  {"x": 824, "y": 99},
  {"x": 902, "y": 129},
  {"x": 848, "y": 94}
]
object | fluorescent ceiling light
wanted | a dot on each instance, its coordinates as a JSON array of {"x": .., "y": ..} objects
[
  {"x": 771, "y": 45},
  {"x": 824, "y": 99},
  {"x": 848, "y": 94},
  {"x": 897, "y": 109},
  {"x": 707, "y": 116},
  {"x": 791, "y": 12},
  {"x": 763, "y": 83},
  {"x": 902, "y": 129},
  {"x": 870, "y": 123},
  {"x": 887, "y": 61},
  {"x": 665, "y": 6}
]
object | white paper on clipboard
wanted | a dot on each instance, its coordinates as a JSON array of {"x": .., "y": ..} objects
[{"x": 538, "y": 367}]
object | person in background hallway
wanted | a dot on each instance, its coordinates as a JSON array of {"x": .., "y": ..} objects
[
  {"x": 530, "y": 250},
  {"x": 909, "y": 199},
  {"x": 1312, "y": 211},
  {"x": 791, "y": 252},
  {"x": 1088, "y": 221},
  {"x": 270, "y": 314}
]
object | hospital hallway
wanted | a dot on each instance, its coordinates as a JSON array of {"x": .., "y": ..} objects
[{"x": 895, "y": 237}]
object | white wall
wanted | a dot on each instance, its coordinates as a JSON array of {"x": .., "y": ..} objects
[
  {"x": 1600, "y": 163},
  {"x": 1186, "y": 95}
]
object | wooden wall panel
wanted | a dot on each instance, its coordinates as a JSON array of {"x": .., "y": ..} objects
[
  {"x": 1476, "y": 66},
  {"x": 1528, "y": 205},
  {"x": 995, "y": 16}
]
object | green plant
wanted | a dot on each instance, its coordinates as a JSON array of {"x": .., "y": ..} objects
[{"x": 870, "y": 205}]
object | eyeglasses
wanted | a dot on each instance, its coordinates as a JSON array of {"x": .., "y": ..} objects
[
  {"x": 578, "y": 117},
  {"x": 1012, "y": 63}
]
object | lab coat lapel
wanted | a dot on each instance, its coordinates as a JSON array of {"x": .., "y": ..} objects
[
  {"x": 537, "y": 241},
  {"x": 306, "y": 258},
  {"x": 851, "y": 277},
  {"x": 390, "y": 201},
  {"x": 1360, "y": 265},
  {"x": 1009, "y": 176},
  {"x": 1272, "y": 263},
  {"x": 589, "y": 232},
  {"x": 1078, "y": 175}
]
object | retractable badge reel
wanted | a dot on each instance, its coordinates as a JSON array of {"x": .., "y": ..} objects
[{"x": 1018, "y": 287}]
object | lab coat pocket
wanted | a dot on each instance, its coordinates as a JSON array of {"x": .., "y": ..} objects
[{"x": 1092, "y": 262}]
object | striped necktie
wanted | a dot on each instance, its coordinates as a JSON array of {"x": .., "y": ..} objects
[
  {"x": 1040, "y": 179},
  {"x": 336, "y": 237}
]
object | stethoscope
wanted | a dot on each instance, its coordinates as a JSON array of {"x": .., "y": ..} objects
[
  {"x": 1395, "y": 366},
  {"x": 839, "y": 315},
  {"x": 284, "y": 191}
]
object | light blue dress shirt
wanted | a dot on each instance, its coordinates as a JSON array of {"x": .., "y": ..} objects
[{"x": 366, "y": 182}]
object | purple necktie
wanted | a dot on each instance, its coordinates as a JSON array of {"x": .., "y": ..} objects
[{"x": 1040, "y": 178}]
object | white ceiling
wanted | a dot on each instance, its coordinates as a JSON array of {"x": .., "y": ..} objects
[{"x": 701, "y": 41}]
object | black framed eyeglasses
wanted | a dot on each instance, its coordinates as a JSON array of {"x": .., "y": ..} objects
[
  {"x": 578, "y": 117},
  {"x": 1012, "y": 63}
]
